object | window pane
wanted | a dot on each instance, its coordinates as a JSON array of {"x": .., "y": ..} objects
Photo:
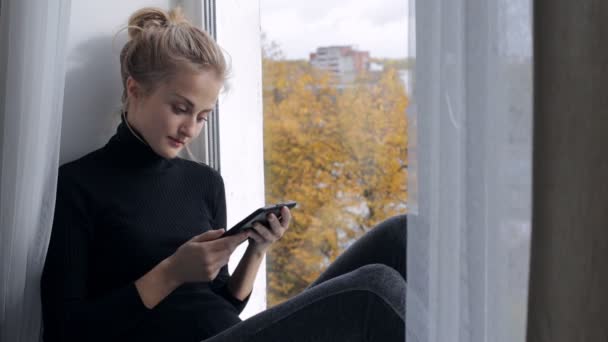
[{"x": 335, "y": 92}]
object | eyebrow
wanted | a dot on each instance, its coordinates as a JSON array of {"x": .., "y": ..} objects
[{"x": 189, "y": 103}]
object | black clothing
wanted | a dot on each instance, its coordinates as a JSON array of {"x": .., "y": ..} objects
[
  {"x": 360, "y": 297},
  {"x": 121, "y": 210}
]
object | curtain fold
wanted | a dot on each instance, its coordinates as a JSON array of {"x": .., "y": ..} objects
[
  {"x": 470, "y": 170},
  {"x": 33, "y": 38}
]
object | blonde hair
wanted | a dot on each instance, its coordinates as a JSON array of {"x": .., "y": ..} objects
[{"x": 161, "y": 43}]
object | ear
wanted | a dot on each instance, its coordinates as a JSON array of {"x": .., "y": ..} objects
[{"x": 134, "y": 89}]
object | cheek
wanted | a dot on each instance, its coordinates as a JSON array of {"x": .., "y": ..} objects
[
  {"x": 159, "y": 125},
  {"x": 167, "y": 120}
]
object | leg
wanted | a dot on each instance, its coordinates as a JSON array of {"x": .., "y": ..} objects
[
  {"x": 367, "y": 304},
  {"x": 384, "y": 244}
]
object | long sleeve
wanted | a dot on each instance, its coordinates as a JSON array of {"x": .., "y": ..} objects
[
  {"x": 120, "y": 211},
  {"x": 69, "y": 312},
  {"x": 220, "y": 283}
]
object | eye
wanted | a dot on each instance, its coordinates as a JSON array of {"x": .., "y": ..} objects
[
  {"x": 179, "y": 109},
  {"x": 202, "y": 119}
]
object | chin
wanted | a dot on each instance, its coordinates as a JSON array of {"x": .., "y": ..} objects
[
  {"x": 167, "y": 153},
  {"x": 170, "y": 154}
]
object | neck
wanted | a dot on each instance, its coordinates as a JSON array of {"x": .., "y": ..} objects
[
  {"x": 137, "y": 135},
  {"x": 130, "y": 149}
]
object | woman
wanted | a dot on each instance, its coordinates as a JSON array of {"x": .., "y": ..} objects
[{"x": 137, "y": 252}]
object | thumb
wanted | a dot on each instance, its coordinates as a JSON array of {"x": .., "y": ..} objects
[{"x": 208, "y": 235}]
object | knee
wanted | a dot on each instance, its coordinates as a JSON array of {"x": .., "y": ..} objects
[
  {"x": 397, "y": 225},
  {"x": 378, "y": 278},
  {"x": 383, "y": 282},
  {"x": 394, "y": 230},
  {"x": 376, "y": 271}
]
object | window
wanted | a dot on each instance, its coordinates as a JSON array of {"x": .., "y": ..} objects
[{"x": 335, "y": 130}]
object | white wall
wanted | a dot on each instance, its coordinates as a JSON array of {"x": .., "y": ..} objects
[
  {"x": 92, "y": 85},
  {"x": 241, "y": 126}
]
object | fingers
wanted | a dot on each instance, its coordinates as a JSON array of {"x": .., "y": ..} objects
[
  {"x": 235, "y": 240},
  {"x": 256, "y": 237},
  {"x": 209, "y": 235},
  {"x": 275, "y": 227},
  {"x": 215, "y": 253},
  {"x": 221, "y": 249},
  {"x": 228, "y": 243},
  {"x": 285, "y": 217},
  {"x": 266, "y": 233}
]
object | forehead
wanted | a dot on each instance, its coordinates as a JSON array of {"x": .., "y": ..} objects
[{"x": 201, "y": 87}]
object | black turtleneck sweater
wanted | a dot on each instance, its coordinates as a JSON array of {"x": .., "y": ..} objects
[{"x": 121, "y": 210}]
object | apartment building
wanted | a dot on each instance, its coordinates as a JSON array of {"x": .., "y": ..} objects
[{"x": 343, "y": 61}]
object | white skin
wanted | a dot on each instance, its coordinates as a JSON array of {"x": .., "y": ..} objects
[{"x": 176, "y": 110}]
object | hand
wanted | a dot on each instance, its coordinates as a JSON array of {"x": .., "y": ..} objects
[
  {"x": 264, "y": 236},
  {"x": 201, "y": 258}
]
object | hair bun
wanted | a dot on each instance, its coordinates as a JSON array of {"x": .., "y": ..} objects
[{"x": 152, "y": 17}]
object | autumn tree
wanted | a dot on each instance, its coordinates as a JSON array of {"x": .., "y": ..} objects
[{"x": 339, "y": 151}]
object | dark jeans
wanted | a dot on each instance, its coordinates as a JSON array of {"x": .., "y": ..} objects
[{"x": 360, "y": 297}]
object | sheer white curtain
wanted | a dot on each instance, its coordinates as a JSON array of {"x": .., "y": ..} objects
[
  {"x": 33, "y": 37},
  {"x": 470, "y": 170}
]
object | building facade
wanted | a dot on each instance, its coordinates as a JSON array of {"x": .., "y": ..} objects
[{"x": 344, "y": 62}]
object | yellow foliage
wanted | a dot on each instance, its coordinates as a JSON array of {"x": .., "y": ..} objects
[{"x": 340, "y": 153}]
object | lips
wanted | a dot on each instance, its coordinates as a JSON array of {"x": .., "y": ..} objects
[{"x": 177, "y": 141}]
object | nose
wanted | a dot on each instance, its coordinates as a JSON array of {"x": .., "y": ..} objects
[{"x": 188, "y": 128}]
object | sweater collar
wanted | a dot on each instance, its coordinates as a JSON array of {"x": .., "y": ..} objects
[{"x": 130, "y": 150}]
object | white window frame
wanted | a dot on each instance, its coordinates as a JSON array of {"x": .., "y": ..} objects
[{"x": 241, "y": 132}]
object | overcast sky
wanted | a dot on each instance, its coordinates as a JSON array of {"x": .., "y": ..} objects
[{"x": 377, "y": 26}]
